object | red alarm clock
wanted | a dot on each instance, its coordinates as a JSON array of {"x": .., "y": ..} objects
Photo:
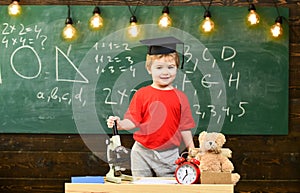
[{"x": 187, "y": 172}]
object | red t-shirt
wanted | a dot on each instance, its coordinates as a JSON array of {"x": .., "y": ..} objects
[{"x": 160, "y": 115}]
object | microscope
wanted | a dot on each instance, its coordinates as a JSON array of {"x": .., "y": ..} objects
[{"x": 114, "y": 157}]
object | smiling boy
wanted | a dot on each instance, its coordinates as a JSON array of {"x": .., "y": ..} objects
[{"x": 160, "y": 111}]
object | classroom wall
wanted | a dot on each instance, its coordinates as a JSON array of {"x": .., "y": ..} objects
[{"x": 266, "y": 163}]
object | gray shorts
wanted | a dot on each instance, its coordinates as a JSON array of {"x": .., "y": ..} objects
[{"x": 148, "y": 163}]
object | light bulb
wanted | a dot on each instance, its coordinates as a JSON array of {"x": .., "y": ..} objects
[
  {"x": 165, "y": 20},
  {"x": 96, "y": 21},
  {"x": 276, "y": 29},
  {"x": 252, "y": 17},
  {"x": 133, "y": 29},
  {"x": 69, "y": 32},
  {"x": 14, "y": 9},
  {"x": 207, "y": 24}
]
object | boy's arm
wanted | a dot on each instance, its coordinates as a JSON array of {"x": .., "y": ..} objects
[
  {"x": 124, "y": 124},
  {"x": 188, "y": 139}
]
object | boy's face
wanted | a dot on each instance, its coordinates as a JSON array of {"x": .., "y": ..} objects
[{"x": 163, "y": 71}]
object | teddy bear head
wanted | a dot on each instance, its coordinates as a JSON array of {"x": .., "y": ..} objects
[{"x": 211, "y": 141}]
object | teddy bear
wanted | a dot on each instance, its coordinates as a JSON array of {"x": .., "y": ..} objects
[{"x": 210, "y": 154}]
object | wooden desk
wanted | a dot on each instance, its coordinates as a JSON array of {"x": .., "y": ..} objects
[{"x": 148, "y": 188}]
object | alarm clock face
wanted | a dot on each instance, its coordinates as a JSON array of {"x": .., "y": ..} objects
[{"x": 187, "y": 173}]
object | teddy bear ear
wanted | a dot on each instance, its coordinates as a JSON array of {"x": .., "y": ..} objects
[
  {"x": 202, "y": 135},
  {"x": 221, "y": 139}
]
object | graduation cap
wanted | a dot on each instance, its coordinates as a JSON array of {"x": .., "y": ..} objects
[{"x": 163, "y": 45}]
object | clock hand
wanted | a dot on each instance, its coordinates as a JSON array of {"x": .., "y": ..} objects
[{"x": 186, "y": 174}]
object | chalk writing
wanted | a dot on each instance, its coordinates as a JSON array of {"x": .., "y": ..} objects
[
  {"x": 20, "y": 35},
  {"x": 69, "y": 62},
  {"x": 34, "y": 53},
  {"x": 112, "y": 46},
  {"x": 60, "y": 97},
  {"x": 121, "y": 64},
  {"x": 212, "y": 111}
]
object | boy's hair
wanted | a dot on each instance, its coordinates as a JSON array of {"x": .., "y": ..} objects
[{"x": 151, "y": 58}]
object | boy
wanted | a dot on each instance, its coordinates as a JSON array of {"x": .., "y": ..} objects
[{"x": 160, "y": 111}]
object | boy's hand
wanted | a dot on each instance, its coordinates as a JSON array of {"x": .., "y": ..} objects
[{"x": 111, "y": 121}]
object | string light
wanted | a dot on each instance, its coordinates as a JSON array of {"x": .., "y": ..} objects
[
  {"x": 69, "y": 32},
  {"x": 207, "y": 25},
  {"x": 252, "y": 17},
  {"x": 96, "y": 21},
  {"x": 14, "y": 9},
  {"x": 133, "y": 29},
  {"x": 276, "y": 29},
  {"x": 165, "y": 20}
]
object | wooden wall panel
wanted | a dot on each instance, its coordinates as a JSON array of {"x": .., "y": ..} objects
[
  {"x": 50, "y": 164},
  {"x": 271, "y": 160},
  {"x": 267, "y": 165},
  {"x": 43, "y": 163},
  {"x": 32, "y": 185}
]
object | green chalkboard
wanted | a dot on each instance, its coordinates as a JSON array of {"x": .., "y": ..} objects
[{"x": 236, "y": 78}]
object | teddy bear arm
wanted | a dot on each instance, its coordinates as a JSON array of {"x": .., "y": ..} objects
[
  {"x": 227, "y": 165},
  {"x": 235, "y": 177}
]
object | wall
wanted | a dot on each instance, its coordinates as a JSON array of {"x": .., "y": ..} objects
[{"x": 267, "y": 163}]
